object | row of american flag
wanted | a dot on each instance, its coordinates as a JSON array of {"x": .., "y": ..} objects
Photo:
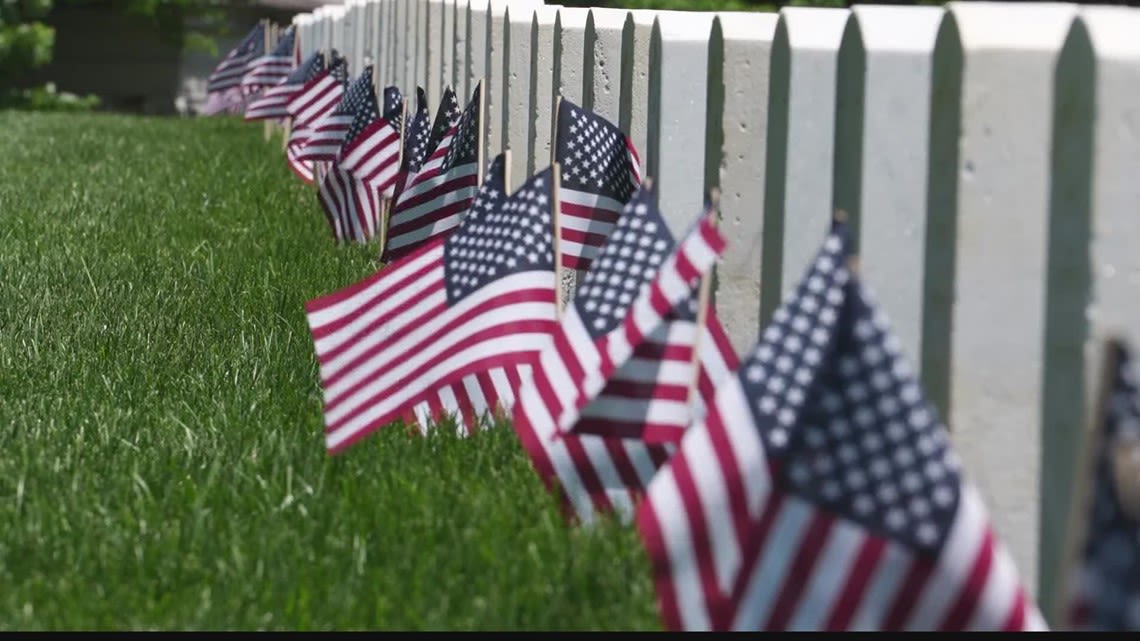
[{"x": 807, "y": 484}]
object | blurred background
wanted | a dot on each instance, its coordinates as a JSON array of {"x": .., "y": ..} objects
[{"x": 153, "y": 56}]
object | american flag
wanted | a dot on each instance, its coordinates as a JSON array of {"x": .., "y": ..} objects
[
  {"x": 229, "y": 72},
  {"x": 417, "y": 133},
  {"x": 479, "y": 299},
  {"x": 648, "y": 398},
  {"x": 371, "y": 149},
  {"x": 435, "y": 197},
  {"x": 599, "y": 332},
  {"x": 820, "y": 491},
  {"x": 484, "y": 392},
  {"x": 600, "y": 171},
  {"x": 230, "y": 101},
  {"x": 325, "y": 136},
  {"x": 274, "y": 101},
  {"x": 303, "y": 169},
  {"x": 318, "y": 96},
  {"x": 351, "y": 206},
  {"x": 1104, "y": 591},
  {"x": 271, "y": 68}
]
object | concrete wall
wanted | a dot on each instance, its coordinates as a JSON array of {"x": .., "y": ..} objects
[{"x": 989, "y": 172}]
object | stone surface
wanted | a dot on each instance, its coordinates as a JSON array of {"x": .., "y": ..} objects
[
  {"x": 1002, "y": 173},
  {"x": 740, "y": 47},
  {"x": 678, "y": 81},
  {"x": 543, "y": 69},
  {"x": 801, "y": 126}
]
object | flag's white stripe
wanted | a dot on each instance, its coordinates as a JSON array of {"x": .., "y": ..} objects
[
  {"x": 745, "y": 445},
  {"x": 880, "y": 592},
  {"x": 421, "y": 344},
  {"x": 587, "y": 199},
  {"x": 642, "y": 461},
  {"x": 420, "y": 234},
  {"x": 410, "y": 213},
  {"x": 409, "y": 316},
  {"x": 561, "y": 382},
  {"x": 423, "y": 416},
  {"x": 955, "y": 562},
  {"x": 413, "y": 343},
  {"x": 644, "y": 370},
  {"x": 828, "y": 577},
  {"x": 450, "y": 403},
  {"x": 672, "y": 521},
  {"x": 475, "y": 393},
  {"x": 770, "y": 574},
  {"x": 401, "y": 389},
  {"x": 503, "y": 387},
  {"x": 586, "y": 225},
  {"x": 530, "y": 403},
  {"x": 724, "y": 545},
  {"x": 394, "y": 283},
  {"x": 997, "y": 598},
  {"x": 607, "y": 473},
  {"x": 657, "y": 411},
  {"x": 573, "y": 248}
]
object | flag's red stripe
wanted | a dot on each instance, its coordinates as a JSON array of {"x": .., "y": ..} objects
[
  {"x": 971, "y": 591},
  {"x": 800, "y": 572},
  {"x": 851, "y": 595},
  {"x": 907, "y": 595},
  {"x": 488, "y": 334},
  {"x": 649, "y": 527}
]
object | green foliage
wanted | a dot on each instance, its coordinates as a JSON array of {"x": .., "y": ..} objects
[
  {"x": 160, "y": 417},
  {"x": 46, "y": 98},
  {"x": 25, "y": 43}
]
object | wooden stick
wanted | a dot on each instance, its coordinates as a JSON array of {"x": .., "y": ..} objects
[
  {"x": 386, "y": 211},
  {"x": 556, "y": 214},
  {"x": 1083, "y": 474},
  {"x": 480, "y": 144},
  {"x": 506, "y": 170},
  {"x": 703, "y": 302},
  {"x": 554, "y": 131},
  {"x": 267, "y": 32}
]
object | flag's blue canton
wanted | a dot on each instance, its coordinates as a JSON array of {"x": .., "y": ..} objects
[
  {"x": 512, "y": 239},
  {"x": 417, "y": 134},
  {"x": 357, "y": 95},
  {"x": 284, "y": 46},
  {"x": 393, "y": 107},
  {"x": 464, "y": 147},
  {"x": 254, "y": 43},
  {"x": 307, "y": 70},
  {"x": 445, "y": 117},
  {"x": 1112, "y": 547},
  {"x": 592, "y": 153},
  {"x": 843, "y": 415},
  {"x": 366, "y": 111},
  {"x": 634, "y": 251},
  {"x": 339, "y": 69}
]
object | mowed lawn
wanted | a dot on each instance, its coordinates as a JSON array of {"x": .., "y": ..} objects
[{"x": 161, "y": 455}]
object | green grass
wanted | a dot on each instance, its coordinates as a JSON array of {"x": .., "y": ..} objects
[{"x": 162, "y": 464}]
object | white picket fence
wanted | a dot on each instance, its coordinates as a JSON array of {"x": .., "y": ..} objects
[{"x": 988, "y": 153}]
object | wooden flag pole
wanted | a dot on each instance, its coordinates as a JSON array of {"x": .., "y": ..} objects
[
  {"x": 506, "y": 170},
  {"x": 556, "y": 214},
  {"x": 556, "y": 210},
  {"x": 386, "y": 210},
  {"x": 554, "y": 130},
  {"x": 703, "y": 302},
  {"x": 268, "y": 31},
  {"x": 482, "y": 140},
  {"x": 1084, "y": 473},
  {"x": 288, "y": 131}
]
